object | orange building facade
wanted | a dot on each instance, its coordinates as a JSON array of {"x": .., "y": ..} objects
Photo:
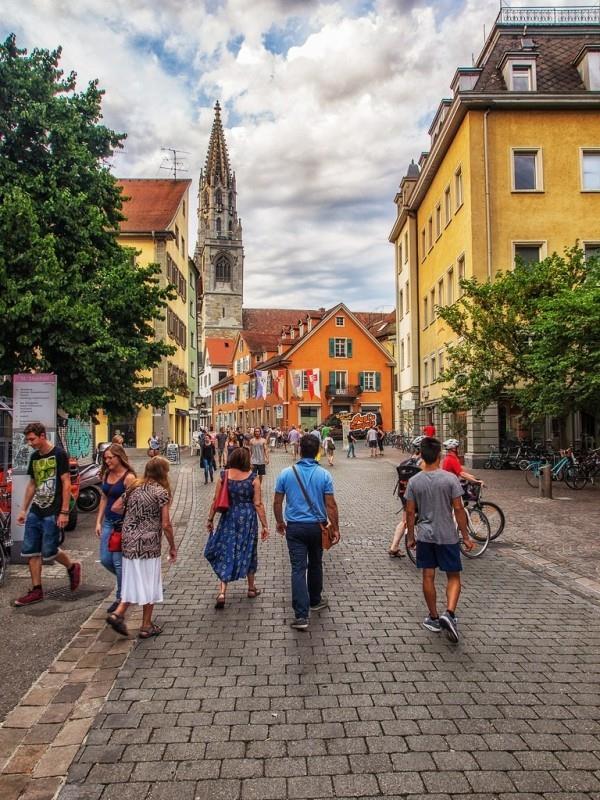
[{"x": 326, "y": 363}]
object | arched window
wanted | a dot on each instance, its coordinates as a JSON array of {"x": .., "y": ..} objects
[
  {"x": 223, "y": 270},
  {"x": 218, "y": 224},
  {"x": 219, "y": 198}
]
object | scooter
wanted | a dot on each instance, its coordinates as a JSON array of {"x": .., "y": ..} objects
[{"x": 89, "y": 488}]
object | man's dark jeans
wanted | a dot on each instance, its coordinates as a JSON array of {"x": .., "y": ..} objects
[{"x": 306, "y": 553}]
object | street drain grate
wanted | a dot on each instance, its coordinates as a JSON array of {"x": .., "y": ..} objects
[{"x": 63, "y": 595}]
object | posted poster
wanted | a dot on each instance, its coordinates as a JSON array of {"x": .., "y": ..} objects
[{"x": 34, "y": 400}]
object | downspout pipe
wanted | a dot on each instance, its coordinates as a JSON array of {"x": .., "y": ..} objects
[{"x": 488, "y": 212}]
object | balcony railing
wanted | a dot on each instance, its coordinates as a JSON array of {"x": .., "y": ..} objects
[
  {"x": 332, "y": 391},
  {"x": 575, "y": 15}
]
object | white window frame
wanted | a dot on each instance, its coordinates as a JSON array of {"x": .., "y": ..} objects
[
  {"x": 400, "y": 304},
  {"x": 521, "y": 65},
  {"x": 450, "y": 286},
  {"x": 430, "y": 232},
  {"x": 440, "y": 292},
  {"x": 402, "y": 357},
  {"x": 433, "y": 361},
  {"x": 340, "y": 322},
  {"x": 425, "y": 312},
  {"x": 539, "y": 169},
  {"x": 438, "y": 220},
  {"x": 432, "y": 313},
  {"x": 447, "y": 206},
  {"x": 590, "y": 243},
  {"x": 458, "y": 188},
  {"x": 423, "y": 245},
  {"x": 343, "y": 372},
  {"x": 440, "y": 365},
  {"x": 399, "y": 256},
  {"x": 583, "y": 151},
  {"x": 335, "y": 347},
  {"x": 369, "y": 378},
  {"x": 408, "y": 350},
  {"x": 462, "y": 260},
  {"x": 406, "y": 248},
  {"x": 541, "y": 243},
  {"x": 426, "y": 372},
  {"x": 407, "y": 297}
]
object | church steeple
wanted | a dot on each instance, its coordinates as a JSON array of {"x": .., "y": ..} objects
[{"x": 219, "y": 253}]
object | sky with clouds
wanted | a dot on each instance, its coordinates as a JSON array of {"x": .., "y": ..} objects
[{"x": 325, "y": 102}]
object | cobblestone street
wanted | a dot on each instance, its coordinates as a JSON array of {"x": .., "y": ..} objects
[{"x": 366, "y": 703}]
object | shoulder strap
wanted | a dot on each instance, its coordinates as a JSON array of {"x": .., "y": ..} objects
[{"x": 311, "y": 505}]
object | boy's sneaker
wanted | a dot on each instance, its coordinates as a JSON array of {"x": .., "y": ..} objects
[
  {"x": 432, "y": 624},
  {"x": 75, "y": 575},
  {"x": 323, "y": 603},
  {"x": 450, "y": 624},
  {"x": 300, "y": 624},
  {"x": 32, "y": 596}
]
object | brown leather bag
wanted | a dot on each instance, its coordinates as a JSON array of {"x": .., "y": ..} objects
[{"x": 328, "y": 538}]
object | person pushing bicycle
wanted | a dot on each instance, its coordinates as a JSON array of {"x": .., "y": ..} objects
[{"x": 451, "y": 462}]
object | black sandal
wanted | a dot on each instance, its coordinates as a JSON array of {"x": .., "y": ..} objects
[
  {"x": 220, "y": 601},
  {"x": 254, "y": 592},
  {"x": 117, "y": 623},
  {"x": 148, "y": 633}
]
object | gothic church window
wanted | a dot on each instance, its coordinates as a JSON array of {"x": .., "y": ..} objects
[
  {"x": 223, "y": 270},
  {"x": 219, "y": 199}
]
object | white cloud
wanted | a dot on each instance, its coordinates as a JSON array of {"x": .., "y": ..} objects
[{"x": 321, "y": 131}]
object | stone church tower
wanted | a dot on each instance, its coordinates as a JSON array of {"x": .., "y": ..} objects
[{"x": 219, "y": 253}]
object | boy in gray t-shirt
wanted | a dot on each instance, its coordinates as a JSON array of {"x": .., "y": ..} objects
[{"x": 434, "y": 503}]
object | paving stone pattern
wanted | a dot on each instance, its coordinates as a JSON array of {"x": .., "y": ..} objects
[{"x": 235, "y": 704}]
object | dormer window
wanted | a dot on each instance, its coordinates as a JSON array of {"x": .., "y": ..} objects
[
  {"x": 518, "y": 71},
  {"x": 521, "y": 78},
  {"x": 587, "y": 62}
]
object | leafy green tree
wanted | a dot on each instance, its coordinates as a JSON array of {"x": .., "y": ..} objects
[
  {"x": 532, "y": 335},
  {"x": 71, "y": 299}
]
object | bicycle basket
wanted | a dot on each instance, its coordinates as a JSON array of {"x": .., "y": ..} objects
[{"x": 471, "y": 492}]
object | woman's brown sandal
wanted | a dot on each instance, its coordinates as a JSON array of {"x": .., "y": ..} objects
[
  {"x": 148, "y": 633},
  {"x": 220, "y": 601},
  {"x": 117, "y": 623},
  {"x": 254, "y": 592}
]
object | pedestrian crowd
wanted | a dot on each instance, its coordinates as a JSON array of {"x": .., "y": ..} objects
[{"x": 134, "y": 514}]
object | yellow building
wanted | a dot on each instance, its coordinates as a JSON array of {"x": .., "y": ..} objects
[
  {"x": 513, "y": 170},
  {"x": 156, "y": 227}
]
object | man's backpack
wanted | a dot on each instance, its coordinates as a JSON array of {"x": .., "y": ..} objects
[{"x": 404, "y": 472}]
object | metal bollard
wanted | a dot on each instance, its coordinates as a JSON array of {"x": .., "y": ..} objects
[{"x": 545, "y": 485}]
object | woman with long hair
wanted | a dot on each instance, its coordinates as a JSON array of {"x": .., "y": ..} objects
[
  {"x": 231, "y": 549},
  {"x": 232, "y": 444},
  {"x": 146, "y": 505},
  {"x": 207, "y": 457},
  {"x": 117, "y": 476}
]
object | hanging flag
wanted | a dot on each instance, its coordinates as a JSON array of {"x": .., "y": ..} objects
[
  {"x": 314, "y": 383},
  {"x": 261, "y": 383},
  {"x": 231, "y": 393},
  {"x": 278, "y": 378},
  {"x": 296, "y": 377}
]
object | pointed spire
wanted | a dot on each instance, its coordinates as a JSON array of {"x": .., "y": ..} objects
[{"x": 217, "y": 159}]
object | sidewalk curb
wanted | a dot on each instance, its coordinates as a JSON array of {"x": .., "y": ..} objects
[{"x": 41, "y": 735}]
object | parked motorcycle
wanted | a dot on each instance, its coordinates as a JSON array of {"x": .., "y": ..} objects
[{"x": 89, "y": 488}]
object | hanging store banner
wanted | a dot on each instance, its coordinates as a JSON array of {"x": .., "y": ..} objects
[
  {"x": 296, "y": 377},
  {"x": 314, "y": 383},
  {"x": 278, "y": 376},
  {"x": 261, "y": 383},
  {"x": 231, "y": 393}
]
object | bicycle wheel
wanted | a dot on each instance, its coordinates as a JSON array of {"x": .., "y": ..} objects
[
  {"x": 479, "y": 530},
  {"x": 523, "y": 464},
  {"x": 3, "y": 563},
  {"x": 496, "y": 462},
  {"x": 532, "y": 475},
  {"x": 411, "y": 552},
  {"x": 495, "y": 516},
  {"x": 575, "y": 478}
]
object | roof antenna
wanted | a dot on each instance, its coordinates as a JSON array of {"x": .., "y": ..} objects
[{"x": 172, "y": 162}]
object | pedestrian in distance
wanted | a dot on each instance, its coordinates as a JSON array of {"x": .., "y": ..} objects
[
  {"x": 259, "y": 454},
  {"x": 436, "y": 496},
  {"x": 145, "y": 505},
  {"x": 372, "y": 441},
  {"x": 207, "y": 458},
  {"x": 118, "y": 439},
  {"x": 429, "y": 430},
  {"x": 117, "y": 476},
  {"x": 232, "y": 548},
  {"x": 351, "y": 442},
  {"x": 232, "y": 444},
  {"x": 302, "y": 527},
  {"x": 153, "y": 446},
  {"x": 45, "y": 512},
  {"x": 329, "y": 449},
  {"x": 380, "y": 439},
  {"x": 221, "y": 443},
  {"x": 294, "y": 439}
]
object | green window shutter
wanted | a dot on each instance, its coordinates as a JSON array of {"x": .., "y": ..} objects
[
  {"x": 332, "y": 378},
  {"x": 378, "y": 381},
  {"x": 361, "y": 380},
  {"x": 348, "y": 348},
  {"x": 332, "y": 348}
]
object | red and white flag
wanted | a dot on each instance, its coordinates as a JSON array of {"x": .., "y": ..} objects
[{"x": 314, "y": 383}]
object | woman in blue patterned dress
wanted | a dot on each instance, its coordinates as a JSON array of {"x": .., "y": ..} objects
[{"x": 231, "y": 549}]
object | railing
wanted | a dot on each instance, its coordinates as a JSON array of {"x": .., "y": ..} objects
[
  {"x": 578, "y": 15},
  {"x": 346, "y": 391}
]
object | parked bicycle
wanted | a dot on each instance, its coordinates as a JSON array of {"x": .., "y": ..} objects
[{"x": 563, "y": 466}]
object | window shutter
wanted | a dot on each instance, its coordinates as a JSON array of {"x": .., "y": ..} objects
[
  {"x": 332, "y": 348},
  {"x": 332, "y": 378},
  {"x": 378, "y": 381},
  {"x": 348, "y": 348},
  {"x": 361, "y": 380}
]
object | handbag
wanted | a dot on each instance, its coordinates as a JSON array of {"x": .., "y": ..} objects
[
  {"x": 222, "y": 503},
  {"x": 327, "y": 537},
  {"x": 115, "y": 540}
]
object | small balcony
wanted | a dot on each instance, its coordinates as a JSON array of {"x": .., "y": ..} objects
[
  {"x": 576, "y": 15},
  {"x": 342, "y": 392}
]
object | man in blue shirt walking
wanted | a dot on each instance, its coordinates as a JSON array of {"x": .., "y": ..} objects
[{"x": 302, "y": 527}]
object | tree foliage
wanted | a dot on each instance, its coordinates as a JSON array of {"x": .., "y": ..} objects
[
  {"x": 71, "y": 300},
  {"x": 532, "y": 335}
]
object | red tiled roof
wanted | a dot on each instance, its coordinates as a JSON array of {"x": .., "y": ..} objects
[
  {"x": 152, "y": 203},
  {"x": 220, "y": 351},
  {"x": 272, "y": 320},
  {"x": 259, "y": 342}
]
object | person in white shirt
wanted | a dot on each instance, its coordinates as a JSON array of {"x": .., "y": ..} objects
[{"x": 372, "y": 441}]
